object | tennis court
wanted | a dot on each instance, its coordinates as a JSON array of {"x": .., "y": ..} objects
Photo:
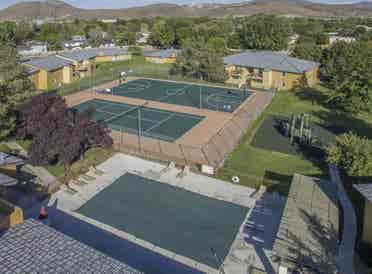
[
  {"x": 191, "y": 95},
  {"x": 141, "y": 120},
  {"x": 172, "y": 218}
]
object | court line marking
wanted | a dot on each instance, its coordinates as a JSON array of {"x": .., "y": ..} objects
[
  {"x": 159, "y": 123},
  {"x": 210, "y": 90},
  {"x": 216, "y": 105},
  {"x": 147, "y": 132},
  {"x": 119, "y": 115},
  {"x": 178, "y": 92},
  {"x": 192, "y": 116},
  {"x": 159, "y": 136},
  {"x": 132, "y": 117},
  {"x": 149, "y": 108},
  {"x": 129, "y": 116},
  {"x": 134, "y": 87}
]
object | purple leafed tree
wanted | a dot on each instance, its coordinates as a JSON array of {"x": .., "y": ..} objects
[{"x": 59, "y": 134}]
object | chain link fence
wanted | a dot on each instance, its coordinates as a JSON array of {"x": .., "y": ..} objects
[{"x": 213, "y": 153}]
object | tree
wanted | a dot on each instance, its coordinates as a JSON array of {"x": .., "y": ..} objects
[
  {"x": 96, "y": 37},
  {"x": 265, "y": 32},
  {"x": 234, "y": 40},
  {"x": 307, "y": 51},
  {"x": 162, "y": 34},
  {"x": 59, "y": 134},
  {"x": 347, "y": 72},
  {"x": 15, "y": 87},
  {"x": 7, "y": 33},
  {"x": 124, "y": 37},
  {"x": 351, "y": 153},
  {"x": 218, "y": 45},
  {"x": 199, "y": 60},
  {"x": 40, "y": 113}
]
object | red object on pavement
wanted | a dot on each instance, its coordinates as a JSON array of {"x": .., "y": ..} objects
[{"x": 43, "y": 213}]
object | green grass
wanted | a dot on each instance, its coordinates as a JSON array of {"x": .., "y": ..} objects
[
  {"x": 92, "y": 157},
  {"x": 25, "y": 144},
  {"x": 4, "y": 148},
  {"x": 110, "y": 71},
  {"x": 252, "y": 164}
]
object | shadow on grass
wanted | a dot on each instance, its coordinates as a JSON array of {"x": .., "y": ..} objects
[
  {"x": 314, "y": 96},
  {"x": 276, "y": 182},
  {"x": 340, "y": 122},
  {"x": 334, "y": 120}
]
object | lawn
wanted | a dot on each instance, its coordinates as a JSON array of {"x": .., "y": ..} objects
[
  {"x": 138, "y": 66},
  {"x": 257, "y": 166},
  {"x": 110, "y": 71},
  {"x": 4, "y": 148},
  {"x": 92, "y": 157}
]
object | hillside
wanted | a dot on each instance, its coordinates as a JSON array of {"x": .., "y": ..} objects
[{"x": 59, "y": 9}]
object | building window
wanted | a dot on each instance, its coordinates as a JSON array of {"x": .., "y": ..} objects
[{"x": 283, "y": 74}]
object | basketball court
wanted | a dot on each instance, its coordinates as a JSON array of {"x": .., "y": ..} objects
[{"x": 184, "y": 94}]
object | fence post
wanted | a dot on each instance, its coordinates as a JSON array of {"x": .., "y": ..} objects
[{"x": 183, "y": 154}]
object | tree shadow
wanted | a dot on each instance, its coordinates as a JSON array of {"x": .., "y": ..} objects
[
  {"x": 340, "y": 122},
  {"x": 317, "y": 253},
  {"x": 314, "y": 96},
  {"x": 335, "y": 120}
]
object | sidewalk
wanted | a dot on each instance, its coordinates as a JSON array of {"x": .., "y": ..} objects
[{"x": 346, "y": 253}]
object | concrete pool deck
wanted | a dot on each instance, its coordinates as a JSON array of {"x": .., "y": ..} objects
[{"x": 244, "y": 253}]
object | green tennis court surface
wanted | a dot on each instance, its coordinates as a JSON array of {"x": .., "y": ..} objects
[
  {"x": 191, "y": 95},
  {"x": 172, "y": 218},
  {"x": 149, "y": 122}
]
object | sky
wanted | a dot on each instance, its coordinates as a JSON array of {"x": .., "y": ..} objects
[{"x": 131, "y": 3}]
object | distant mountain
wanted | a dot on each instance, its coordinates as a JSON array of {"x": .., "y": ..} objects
[{"x": 60, "y": 9}]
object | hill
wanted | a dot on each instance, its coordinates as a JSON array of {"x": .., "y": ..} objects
[{"x": 60, "y": 9}]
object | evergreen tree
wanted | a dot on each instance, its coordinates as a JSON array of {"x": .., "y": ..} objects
[
  {"x": 351, "y": 153},
  {"x": 200, "y": 60},
  {"x": 162, "y": 34},
  {"x": 265, "y": 32},
  {"x": 15, "y": 87}
]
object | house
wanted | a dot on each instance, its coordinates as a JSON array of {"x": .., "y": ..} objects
[
  {"x": 269, "y": 70},
  {"x": 77, "y": 42},
  {"x": 309, "y": 229},
  {"x": 33, "y": 48},
  {"x": 167, "y": 56},
  {"x": 365, "y": 191},
  {"x": 293, "y": 40},
  {"x": 367, "y": 28},
  {"x": 10, "y": 164},
  {"x": 142, "y": 37},
  {"x": 49, "y": 72},
  {"x": 109, "y": 21},
  {"x": 334, "y": 37},
  {"x": 111, "y": 54},
  {"x": 10, "y": 215},
  {"x": 34, "y": 247},
  {"x": 82, "y": 62}
]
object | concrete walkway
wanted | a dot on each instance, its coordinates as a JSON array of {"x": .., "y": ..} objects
[
  {"x": 45, "y": 178},
  {"x": 345, "y": 259}
]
